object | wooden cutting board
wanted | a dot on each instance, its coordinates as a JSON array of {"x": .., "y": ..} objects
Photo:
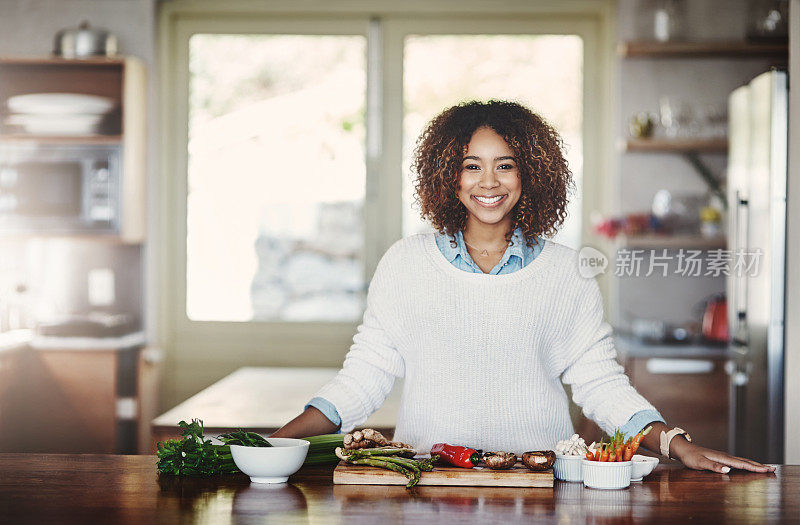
[{"x": 517, "y": 476}]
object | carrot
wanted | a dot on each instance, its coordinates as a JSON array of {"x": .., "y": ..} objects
[
  {"x": 637, "y": 440},
  {"x": 619, "y": 452},
  {"x": 589, "y": 455},
  {"x": 606, "y": 451},
  {"x": 599, "y": 451}
]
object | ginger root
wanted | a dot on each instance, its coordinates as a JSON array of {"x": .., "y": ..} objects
[{"x": 369, "y": 438}]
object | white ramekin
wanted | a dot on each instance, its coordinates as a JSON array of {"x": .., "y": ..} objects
[
  {"x": 568, "y": 468},
  {"x": 605, "y": 475},
  {"x": 642, "y": 466}
]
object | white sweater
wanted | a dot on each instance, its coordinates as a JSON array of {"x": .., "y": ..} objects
[{"x": 483, "y": 356}]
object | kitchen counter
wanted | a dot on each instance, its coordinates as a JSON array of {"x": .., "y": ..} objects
[
  {"x": 26, "y": 338},
  {"x": 15, "y": 340},
  {"x": 631, "y": 347},
  {"x": 36, "y": 488}
]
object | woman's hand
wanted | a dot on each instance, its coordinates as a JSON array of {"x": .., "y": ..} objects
[{"x": 701, "y": 458}]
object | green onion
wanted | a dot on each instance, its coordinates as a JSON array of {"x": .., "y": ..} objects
[{"x": 321, "y": 450}]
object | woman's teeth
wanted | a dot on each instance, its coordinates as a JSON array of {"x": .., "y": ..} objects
[{"x": 489, "y": 201}]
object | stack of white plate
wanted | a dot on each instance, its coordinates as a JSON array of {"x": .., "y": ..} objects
[{"x": 58, "y": 113}]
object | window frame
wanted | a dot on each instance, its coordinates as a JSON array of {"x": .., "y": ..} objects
[{"x": 200, "y": 352}]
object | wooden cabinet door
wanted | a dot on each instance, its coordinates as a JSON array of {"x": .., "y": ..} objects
[
  {"x": 149, "y": 372},
  {"x": 696, "y": 401},
  {"x": 10, "y": 399},
  {"x": 70, "y": 401}
]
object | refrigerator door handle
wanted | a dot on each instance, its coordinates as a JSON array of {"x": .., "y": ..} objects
[{"x": 739, "y": 335}]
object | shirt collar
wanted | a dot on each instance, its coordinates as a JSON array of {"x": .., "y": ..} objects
[
  {"x": 447, "y": 249},
  {"x": 518, "y": 247}
]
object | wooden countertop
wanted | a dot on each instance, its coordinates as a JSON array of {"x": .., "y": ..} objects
[
  {"x": 263, "y": 399},
  {"x": 36, "y": 488}
]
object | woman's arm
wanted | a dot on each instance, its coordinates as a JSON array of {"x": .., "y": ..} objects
[
  {"x": 370, "y": 367},
  {"x": 697, "y": 457},
  {"x": 311, "y": 422},
  {"x": 601, "y": 388}
]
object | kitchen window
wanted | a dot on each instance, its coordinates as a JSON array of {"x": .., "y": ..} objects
[
  {"x": 288, "y": 146},
  {"x": 276, "y": 178}
]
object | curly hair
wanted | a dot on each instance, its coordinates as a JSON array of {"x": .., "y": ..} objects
[{"x": 544, "y": 172}]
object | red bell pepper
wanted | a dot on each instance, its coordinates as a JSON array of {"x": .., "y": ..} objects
[{"x": 458, "y": 456}]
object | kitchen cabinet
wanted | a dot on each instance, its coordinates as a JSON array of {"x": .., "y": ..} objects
[
  {"x": 123, "y": 82},
  {"x": 68, "y": 400},
  {"x": 688, "y": 384},
  {"x": 10, "y": 361}
]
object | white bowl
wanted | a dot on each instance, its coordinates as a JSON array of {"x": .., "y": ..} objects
[
  {"x": 568, "y": 468},
  {"x": 605, "y": 475},
  {"x": 59, "y": 103},
  {"x": 66, "y": 124},
  {"x": 271, "y": 464},
  {"x": 642, "y": 466}
]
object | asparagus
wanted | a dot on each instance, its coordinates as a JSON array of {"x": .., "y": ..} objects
[
  {"x": 426, "y": 465},
  {"x": 413, "y": 477},
  {"x": 391, "y": 459},
  {"x": 403, "y": 462},
  {"x": 366, "y": 452}
]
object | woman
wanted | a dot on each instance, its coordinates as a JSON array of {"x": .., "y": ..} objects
[{"x": 485, "y": 319}]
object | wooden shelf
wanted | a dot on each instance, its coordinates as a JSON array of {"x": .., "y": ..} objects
[
  {"x": 101, "y": 238},
  {"x": 655, "y": 241},
  {"x": 709, "y": 145},
  {"x": 56, "y": 60},
  {"x": 710, "y": 49},
  {"x": 61, "y": 139}
]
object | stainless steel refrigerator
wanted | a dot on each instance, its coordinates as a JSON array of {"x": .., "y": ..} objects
[{"x": 756, "y": 188}]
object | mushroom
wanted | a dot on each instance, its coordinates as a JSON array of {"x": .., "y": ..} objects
[
  {"x": 539, "y": 459},
  {"x": 499, "y": 460}
]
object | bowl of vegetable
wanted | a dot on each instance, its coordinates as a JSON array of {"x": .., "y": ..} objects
[
  {"x": 642, "y": 466},
  {"x": 569, "y": 454},
  {"x": 606, "y": 475},
  {"x": 273, "y": 462},
  {"x": 568, "y": 468},
  {"x": 609, "y": 465}
]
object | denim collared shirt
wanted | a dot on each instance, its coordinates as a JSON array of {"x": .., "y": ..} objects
[{"x": 517, "y": 255}]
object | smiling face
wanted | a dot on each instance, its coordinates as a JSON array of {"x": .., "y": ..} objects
[{"x": 490, "y": 183}]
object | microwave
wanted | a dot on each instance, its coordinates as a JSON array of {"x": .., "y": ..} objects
[{"x": 60, "y": 188}]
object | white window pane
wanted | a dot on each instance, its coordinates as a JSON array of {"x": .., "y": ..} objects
[
  {"x": 542, "y": 72},
  {"x": 276, "y": 178}
]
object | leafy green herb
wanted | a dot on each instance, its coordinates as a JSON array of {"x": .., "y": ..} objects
[{"x": 192, "y": 455}]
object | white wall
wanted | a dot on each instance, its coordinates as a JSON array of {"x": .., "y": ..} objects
[{"x": 28, "y": 27}]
